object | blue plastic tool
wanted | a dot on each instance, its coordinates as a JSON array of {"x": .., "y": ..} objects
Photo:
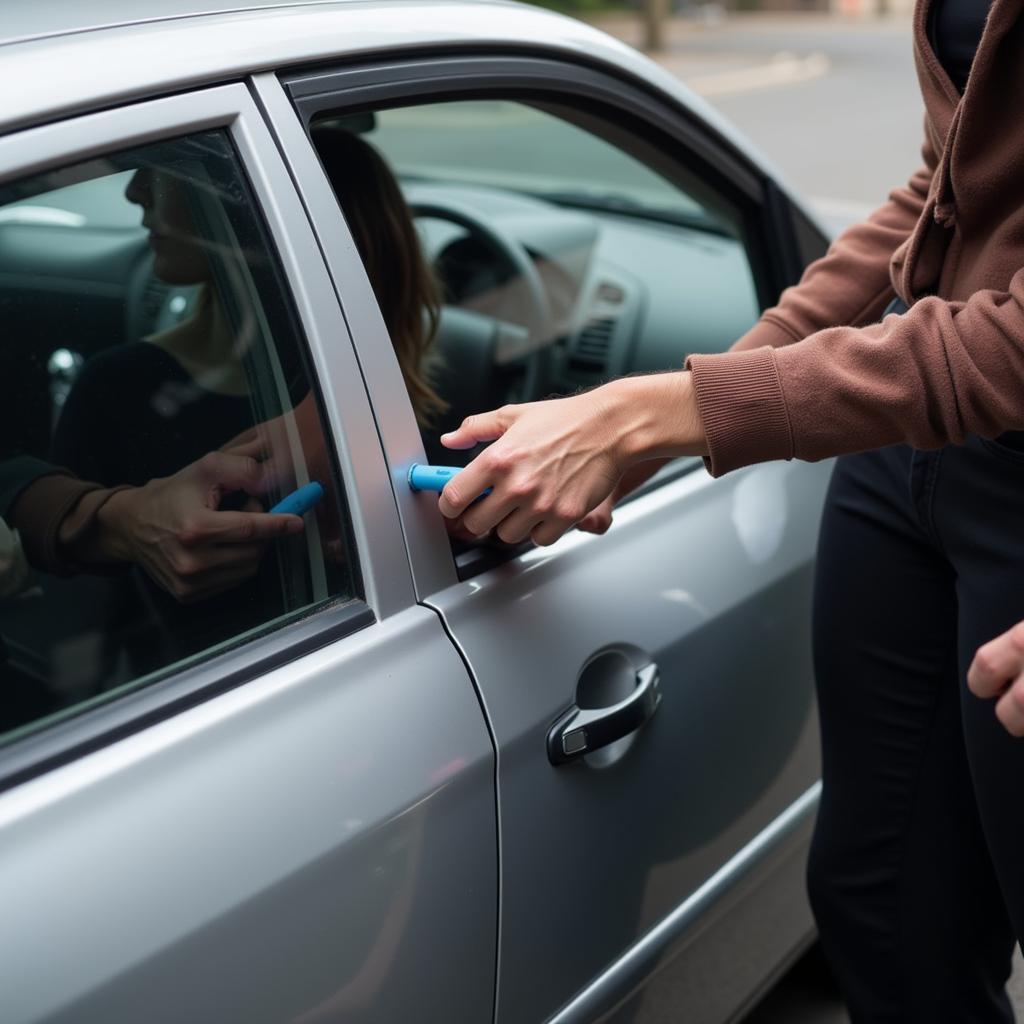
[
  {"x": 299, "y": 502},
  {"x": 430, "y": 478},
  {"x": 433, "y": 478}
]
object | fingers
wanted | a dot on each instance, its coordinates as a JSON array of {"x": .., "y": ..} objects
[
  {"x": 226, "y": 472},
  {"x": 251, "y": 446},
  {"x": 238, "y": 528},
  {"x": 457, "y": 530},
  {"x": 597, "y": 521},
  {"x": 997, "y": 662},
  {"x": 1010, "y": 708},
  {"x": 517, "y": 527},
  {"x": 465, "y": 487},
  {"x": 485, "y": 426}
]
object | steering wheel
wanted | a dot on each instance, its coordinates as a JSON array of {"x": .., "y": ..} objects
[{"x": 525, "y": 290}]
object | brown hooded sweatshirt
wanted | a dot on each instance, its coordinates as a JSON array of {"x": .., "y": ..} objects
[{"x": 818, "y": 376}]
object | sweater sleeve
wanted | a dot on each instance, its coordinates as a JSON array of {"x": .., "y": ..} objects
[
  {"x": 930, "y": 377},
  {"x": 850, "y": 284},
  {"x": 56, "y": 516}
]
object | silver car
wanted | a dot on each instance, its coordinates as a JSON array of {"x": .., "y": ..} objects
[{"x": 394, "y": 775}]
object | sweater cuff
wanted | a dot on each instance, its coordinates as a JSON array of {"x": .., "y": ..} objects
[
  {"x": 740, "y": 399},
  {"x": 767, "y": 331},
  {"x": 47, "y": 505}
]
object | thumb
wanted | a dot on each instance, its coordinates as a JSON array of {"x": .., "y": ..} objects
[{"x": 485, "y": 426}]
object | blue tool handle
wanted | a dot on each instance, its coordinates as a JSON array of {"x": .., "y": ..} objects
[
  {"x": 430, "y": 478},
  {"x": 433, "y": 478},
  {"x": 299, "y": 502}
]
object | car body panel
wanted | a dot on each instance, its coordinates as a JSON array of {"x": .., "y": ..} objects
[
  {"x": 281, "y": 850},
  {"x": 712, "y": 583},
  {"x": 284, "y": 827}
]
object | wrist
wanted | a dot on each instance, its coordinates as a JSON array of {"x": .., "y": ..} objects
[
  {"x": 110, "y": 540},
  {"x": 655, "y": 416}
]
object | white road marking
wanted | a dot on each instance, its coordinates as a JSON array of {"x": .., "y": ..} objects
[{"x": 785, "y": 69}]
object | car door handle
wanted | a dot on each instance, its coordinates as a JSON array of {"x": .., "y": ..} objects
[{"x": 580, "y": 731}]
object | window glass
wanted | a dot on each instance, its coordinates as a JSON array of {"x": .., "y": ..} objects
[
  {"x": 546, "y": 258},
  {"x": 156, "y": 404}
]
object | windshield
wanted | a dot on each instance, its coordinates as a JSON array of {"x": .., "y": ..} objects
[{"x": 508, "y": 145}]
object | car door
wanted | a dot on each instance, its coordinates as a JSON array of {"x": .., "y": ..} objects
[
  {"x": 276, "y": 802},
  {"x": 649, "y": 691}
]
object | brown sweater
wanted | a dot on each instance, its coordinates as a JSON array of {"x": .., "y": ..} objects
[
  {"x": 817, "y": 376},
  {"x": 56, "y": 516}
]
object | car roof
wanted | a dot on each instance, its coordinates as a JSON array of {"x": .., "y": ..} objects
[
  {"x": 41, "y": 19},
  {"x": 62, "y": 57}
]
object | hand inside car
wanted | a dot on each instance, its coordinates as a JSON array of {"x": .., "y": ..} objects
[
  {"x": 554, "y": 462},
  {"x": 270, "y": 444},
  {"x": 175, "y": 530},
  {"x": 998, "y": 671}
]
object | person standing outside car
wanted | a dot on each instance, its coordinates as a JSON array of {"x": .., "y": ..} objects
[{"x": 916, "y": 873}]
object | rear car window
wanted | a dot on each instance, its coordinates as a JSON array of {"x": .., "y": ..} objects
[{"x": 152, "y": 373}]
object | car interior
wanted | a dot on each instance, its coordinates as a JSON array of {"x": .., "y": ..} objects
[
  {"x": 78, "y": 281},
  {"x": 549, "y": 289}
]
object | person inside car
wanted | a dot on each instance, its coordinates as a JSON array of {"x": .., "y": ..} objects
[{"x": 143, "y": 411}]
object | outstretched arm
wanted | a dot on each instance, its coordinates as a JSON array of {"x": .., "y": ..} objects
[{"x": 558, "y": 460}]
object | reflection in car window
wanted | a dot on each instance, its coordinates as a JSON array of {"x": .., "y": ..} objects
[
  {"x": 562, "y": 261},
  {"x": 156, "y": 403},
  {"x": 513, "y": 146}
]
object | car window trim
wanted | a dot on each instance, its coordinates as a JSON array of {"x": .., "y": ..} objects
[
  {"x": 178, "y": 690},
  {"x": 440, "y": 77},
  {"x": 376, "y": 529}
]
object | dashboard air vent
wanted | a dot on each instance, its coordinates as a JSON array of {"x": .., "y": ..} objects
[{"x": 594, "y": 341}]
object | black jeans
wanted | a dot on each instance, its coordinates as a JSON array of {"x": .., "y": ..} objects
[{"x": 916, "y": 873}]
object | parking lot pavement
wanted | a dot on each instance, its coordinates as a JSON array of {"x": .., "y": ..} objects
[
  {"x": 808, "y": 995},
  {"x": 833, "y": 104}
]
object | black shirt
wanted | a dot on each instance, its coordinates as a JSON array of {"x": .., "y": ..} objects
[
  {"x": 134, "y": 414},
  {"x": 954, "y": 30}
]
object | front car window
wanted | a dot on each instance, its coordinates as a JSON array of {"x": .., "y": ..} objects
[
  {"x": 558, "y": 260},
  {"x": 150, "y": 341}
]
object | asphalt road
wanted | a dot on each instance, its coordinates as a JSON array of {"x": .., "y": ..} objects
[{"x": 834, "y": 105}]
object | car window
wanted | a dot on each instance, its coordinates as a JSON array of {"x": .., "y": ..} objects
[
  {"x": 151, "y": 373},
  {"x": 546, "y": 258}
]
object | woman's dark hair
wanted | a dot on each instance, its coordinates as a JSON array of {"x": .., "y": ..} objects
[{"x": 384, "y": 233}]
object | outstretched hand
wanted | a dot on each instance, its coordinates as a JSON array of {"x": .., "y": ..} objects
[
  {"x": 554, "y": 462},
  {"x": 998, "y": 671},
  {"x": 175, "y": 530}
]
